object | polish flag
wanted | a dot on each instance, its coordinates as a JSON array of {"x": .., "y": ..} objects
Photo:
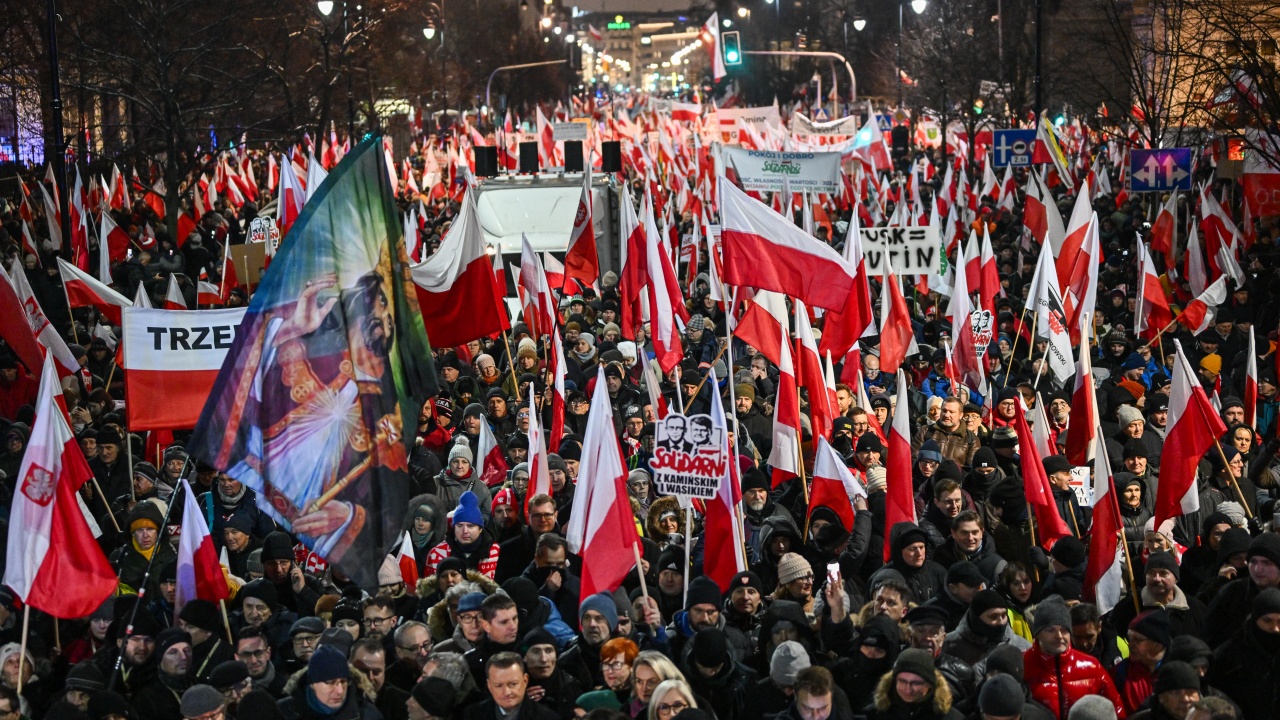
[
  {"x": 491, "y": 467},
  {"x": 1163, "y": 229},
  {"x": 988, "y": 275},
  {"x": 546, "y": 142},
  {"x": 864, "y": 402},
  {"x": 83, "y": 290},
  {"x": 207, "y": 293},
  {"x": 110, "y": 236},
  {"x": 869, "y": 145},
  {"x": 558, "y": 373},
  {"x": 710, "y": 37},
  {"x": 199, "y": 573},
  {"x": 141, "y": 299},
  {"x": 1193, "y": 427},
  {"x": 784, "y": 457},
  {"x": 1051, "y": 316},
  {"x": 1082, "y": 431},
  {"x": 664, "y": 299},
  {"x": 601, "y": 528},
  {"x": 899, "y": 505},
  {"x": 540, "y": 306},
  {"x": 555, "y": 270},
  {"x": 1154, "y": 313},
  {"x": 1197, "y": 275},
  {"x": 841, "y": 329},
  {"x": 52, "y": 217},
  {"x": 1104, "y": 574},
  {"x": 1251, "y": 383},
  {"x": 407, "y": 561},
  {"x": 965, "y": 354},
  {"x": 456, "y": 288},
  {"x": 53, "y": 562},
  {"x": 1198, "y": 315},
  {"x": 723, "y": 533},
  {"x": 29, "y": 243},
  {"x": 173, "y": 299},
  {"x": 290, "y": 199},
  {"x": 1216, "y": 226},
  {"x": 763, "y": 324},
  {"x": 1049, "y": 523},
  {"x": 1041, "y": 217},
  {"x": 580, "y": 259},
  {"x": 79, "y": 226},
  {"x": 764, "y": 250},
  {"x": 897, "y": 338},
  {"x": 539, "y": 472},
  {"x": 812, "y": 377},
  {"x": 833, "y": 484},
  {"x": 38, "y": 323},
  {"x": 635, "y": 266}
]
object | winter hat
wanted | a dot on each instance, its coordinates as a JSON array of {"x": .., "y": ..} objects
[
  {"x": 754, "y": 479},
  {"x": 1266, "y": 603},
  {"x": 1163, "y": 560},
  {"x": 1176, "y": 675},
  {"x": 869, "y": 442},
  {"x": 987, "y": 600},
  {"x": 85, "y": 676},
  {"x": 436, "y": 696},
  {"x": 876, "y": 478},
  {"x": 1153, "y": 625},
  {"x": 1001, "y": 696},
  {"x": 470, "y": 602},
  {"x": 1052, "y": 612},
  {"x": 389, "y": 572},
  {"x": 930, "y": 451},
  {"x": 1069, "y": 551},
  {"x": 505, "y": 496},
  {"x": 1007, "y": 659},
  {"x": 452, "y": 563},
  {"x": 1056, "y": 464},
  {"x": 461, "y": 450},
  {"x": 746, "y": 578},
  {"x": 788, "y": 660},
  {"x": 1212, "y": 362},
  {"x": 105, "y": 611},
  {"x": 200, "y": 700},
  {"x": 1092, "y": 707},
  {"x": 1266, "y": 545},
  {"x": 240, "y": 521},
  {"x": 230, "y": 673},
  {"x": 710, "y": 647},
  {"x": 311, "y": 625},
  {"x": 704, "y": 591},
  {"x": 537, "y": 636},
  {"x": 326, "y": 664},
  {"x": 1189, "y": 649},
  {"x": 524, "y": 593},
  {"x": 146, "y": 470},
  {"x": 468, "y": 510},
  {"x": 202, "y": 614},
  {"x": 915, "y": 661},
  {"x": 338, "y": 638},
  {"x": 102, "y": 704},
  {"x": 253, "y": 563},
  {"x": 985, "y": 458},
  {"x": 1135, "y": 448},
  {"x": 527, "y": 348},
  {"x": 965, "y": 572},
  {"x": 792, "y": 567},
  {"x": 260, "y": 589},
  {"x": 598, "y": 700},
  {"x": 277, "y": 546},
  {"x": 602, "y": 603},
  {"x": 1234, "y": 511}
]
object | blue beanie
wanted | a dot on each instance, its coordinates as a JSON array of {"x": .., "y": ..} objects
[
  {"x": 470, "y": 602},
  {"x": 602, "y": 603},
  {"x": 326, "y": 665},
  {"x": 468, "y": 510}
]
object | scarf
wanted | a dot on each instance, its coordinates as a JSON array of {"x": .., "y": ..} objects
[
  {"x": 144, "y": 553},
  {"x": 320, "y": 708},
  {"x": 232, "y": 500}
]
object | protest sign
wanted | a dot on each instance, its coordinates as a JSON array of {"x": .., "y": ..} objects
[
  {"x": 688, "y": 457},
  {"x": 803, "y": 171},
  {"x": 912, "y": 250}
]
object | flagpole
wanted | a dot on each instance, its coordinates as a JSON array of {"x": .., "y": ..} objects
[
  {"x": 22, "y": 653},
  {"x": 688, "y": 549},
  {"x": 511, "y": 365},
  {"x": 71, "y": 314},
  {"x": 705, "y": 376},
  {"x": 1031, "y": 521},
  {"x": 1124, "y": 546},
  {"x": 226, "y": 621},
  {"x": 105, "y": 502},
  {"x": 644, "y": 586}
]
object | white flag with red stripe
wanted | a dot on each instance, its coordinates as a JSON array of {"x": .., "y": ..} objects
[
  {"x": 1104, "y": 574},
  {"x": 723, "y": 557},
  {"x": 1251, "y": 383},
  {"x": 407, "y": 561},
  {"x": 1193, "y": 427},
  {"x": 44, "y": 331},
  {"x": 833, "y": 484},
  {"x": 784, "y": 457},
  {"x": 539, "y": 472},
  {"x": 1199, "y": 314},
  {"x": 199, "y": 572},
  {"x": 580, "y": 259},
  {"x": 83, "y": 290},
  {"x": 899, "y": 505},
  {"x": 173, "y": 299},
  {"x": 53, "y": 562},
  {"x": 491, "y": 466}
]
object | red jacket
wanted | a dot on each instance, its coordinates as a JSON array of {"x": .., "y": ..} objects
[{"x": 1080, "y": 674}]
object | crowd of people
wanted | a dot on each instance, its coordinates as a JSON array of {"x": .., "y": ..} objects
[{"x": 961, "y": 614}]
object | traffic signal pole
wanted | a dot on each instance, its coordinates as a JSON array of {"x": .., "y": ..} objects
[{"x": 853, "y": 81}]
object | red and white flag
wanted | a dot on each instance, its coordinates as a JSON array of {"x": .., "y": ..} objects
[
  {"x": 1049, "y": 523},
  {"x": 1104, "y": 574},
  {"x": 1082, "y": 430},
  {"x": 199, "y": 573},
  {"x": 1051, "y": 316},
  {"x": 635, "y": 266},
  {"x": 539, "y": 472},
  {"x": 83, "y": 290},
  {"x": 766, "y": 251},
  {"x": 1154, "y": 313},
  {"x": 559, "y": 371},
  {"x": 665, "y": 300},
  {"x": 207, "y": 293},
  {"x": 710, "y": 37},
  {"x": 842, "y": 328},
  {"x": 784, "y": 457},
  {"x": 290, "y": 200},
  {"x": 407, "y": 561},
  {"x": 111, "y": 237},
  {"x": 821, "y": 413},
  {"x": 833, "y": 484},
  {"x": 491, "y": 466},
  {"x": 965, "y": 355},
  {"x": 1251, "y": 383},
  {"x": 723, "y": 557},
  {"x": 1165, "y": 226},
  {"x": 460, "y": 299},
  {"x": 580, "y": 259},
  {"x": 899, "y": 502},
  {"x": 172, "y": 358},
  {"x": 763, "y": 324},
  {"x": 897, "y": 337},
  {"x": 53, "y": 562},
  {"x": 1040, "y": 215},
  {"x": 44, "y": 331},
  {"x": 601, "y": 528},
  {"x": 1198, "y": 315},
  {"x": 173, "y": 299},
  {"x": 539, "y": 305},
  {"x": 1193, "y": 427}
]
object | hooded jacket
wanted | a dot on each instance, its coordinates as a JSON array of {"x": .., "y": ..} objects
[
  {"x": 926, "y": 581},
  {"x": 1059, "y": 681},
  {"x": 359, "y": 704}
]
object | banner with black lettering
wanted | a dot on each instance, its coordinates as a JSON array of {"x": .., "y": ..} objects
[
  {"x": 172, "y": 358},
  {"x": 801, "y": 171}
]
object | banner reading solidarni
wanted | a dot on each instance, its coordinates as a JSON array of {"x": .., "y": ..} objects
[
  {"x": 803, "y": 171},
  {"x": 688, "y": 457},
  {"x": 173, "y": 358}
]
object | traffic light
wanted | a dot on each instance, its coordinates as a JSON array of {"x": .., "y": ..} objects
[{"x": 731, "y": 47}]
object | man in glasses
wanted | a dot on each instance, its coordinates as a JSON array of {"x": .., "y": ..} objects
[{"x": 253, "y": 649}]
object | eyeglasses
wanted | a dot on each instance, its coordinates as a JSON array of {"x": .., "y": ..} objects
[
  {"x": 912, "y": 684},
  {"x": 673, "y": 708},
  {"x": 424, "y": 646},
  {"x": 377, "y": 620},
  {"x": 469, "y": 619},
  {"x": 542, "y": 516},
  {"x": 251, "y": 654},
  {"x": 615, "y": 666}
]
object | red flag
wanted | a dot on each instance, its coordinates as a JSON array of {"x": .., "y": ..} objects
[
  {"x": 199, "y": 574},
  {"x": 580, "y": 259},
  {"x": 833, "y": 485},
  {"x": 763, "y": 324},
  {"x": 897, "y": 337},
  {"x": 601, "y": 528},
  {"x": 899, "y": 505},
  {"x": 407, "y": 561},
  {"x": 664, "y": 299},
  {"x": 1082, "y": 429},
  {"x": 1193, "y": 427},
  {"x": 83, "y": 290},
  {"x": 1154, "y": 313},
  {"x": 54, "y": 563},
  {"x": 1049, "y": 524},
  {"x": 821, "y": 414},
  {"x": 1198, "y": 315},
  {"x": 784, "y": 457},
  {"x": 173, "y": 299},
  {"x": 539, "y": 473},
  {"x": 110, "y": 236},
  {"x": 491, "y": 466},
  {"x": 456, "y": 289},
  {"x": 1163, "y": 229},
  {"x": 1104, "y": 574},
  {"x": 842, "y": 328}
]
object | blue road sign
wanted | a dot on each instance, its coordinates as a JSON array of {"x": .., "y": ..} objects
[
  {"x": 885, "y": 121},
  {"x": 1013, "y": 147},
  {"x": 1160, "y": 170}
]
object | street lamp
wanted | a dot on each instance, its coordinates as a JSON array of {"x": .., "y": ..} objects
[
  {"x": 859, "y": 23},
  {"x": 429, "y": 32},
  {"x": 919, "y": 5},
  {"x": 743, "y": 12},
  {"x": 325, "y": 7},
  {"x": 546, "y": 22}
]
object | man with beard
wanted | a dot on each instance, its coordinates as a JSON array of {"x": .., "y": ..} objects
[
  {"x": 598, "y": 618},
  {"x": 757, "y": 506},
  {"x": 504, "y": 518},
  {"x": 254, "y": 650},
  {"x": 754, "y": 422},
  {"x": 369, "y": 657},
  {"x": 138, "y": 669}
]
